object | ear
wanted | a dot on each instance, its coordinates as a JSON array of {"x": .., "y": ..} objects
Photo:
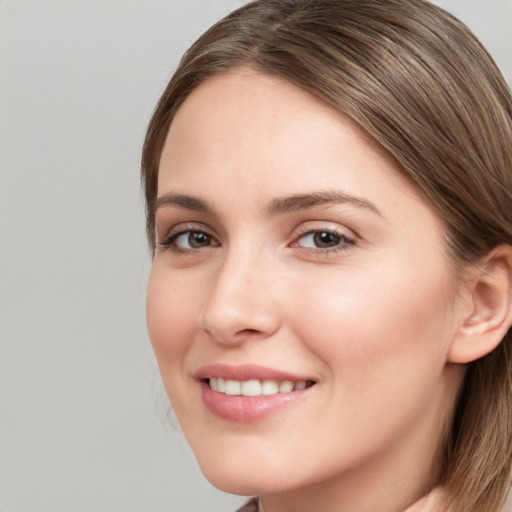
[{"x": 490, "y": 311}]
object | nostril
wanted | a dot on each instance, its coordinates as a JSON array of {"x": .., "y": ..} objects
[{"x": 248, "y": 331}]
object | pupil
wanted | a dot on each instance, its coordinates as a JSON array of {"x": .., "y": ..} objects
[
  {"x": 325, "y": 239},
  {"x": 198, "y": 239}
]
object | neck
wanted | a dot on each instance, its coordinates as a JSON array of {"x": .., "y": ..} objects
[{"x": 347, "y": 498}]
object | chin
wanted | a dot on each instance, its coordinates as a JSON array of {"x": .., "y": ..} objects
[{"x": 244, "y": 479}]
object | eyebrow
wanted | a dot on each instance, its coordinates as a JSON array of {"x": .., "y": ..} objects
[
  {"x": 310, "y": 200},
  {"x": 277, "y": 206},
  {"x": 183, "y": 201}
]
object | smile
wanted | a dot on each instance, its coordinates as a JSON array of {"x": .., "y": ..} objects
[
  {"x": 256, "y": 387},
  {"x": 247, "y": 393}
]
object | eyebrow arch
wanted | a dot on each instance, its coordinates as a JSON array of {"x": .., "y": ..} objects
[
  {"x": 183, "y": 201},
  {"x": 310, "y": 200}
]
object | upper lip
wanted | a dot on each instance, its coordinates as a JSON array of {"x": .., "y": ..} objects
[{"x": 246, "y": 372}]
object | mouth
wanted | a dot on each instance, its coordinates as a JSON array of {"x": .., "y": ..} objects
[
  {"x": 256, "y": 387},
  {"x": 250, "y": 393}
]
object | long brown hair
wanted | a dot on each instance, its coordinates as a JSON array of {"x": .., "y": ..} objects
[{"x": 419, "y": 82}]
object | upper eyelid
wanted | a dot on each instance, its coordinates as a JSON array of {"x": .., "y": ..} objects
[
  {"x": 323, "y": 225},
  {"x": 169, "y": 216},
  {"x": 188, "y": 226},
  {"x": 337, "y": 232}
]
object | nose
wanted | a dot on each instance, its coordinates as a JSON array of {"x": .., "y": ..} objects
[{"x": 241, "y": 302}]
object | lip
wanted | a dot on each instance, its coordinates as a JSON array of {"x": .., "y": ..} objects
[
  {"x": 246, "y": 372},
  {"x": 247, "y": 409}
]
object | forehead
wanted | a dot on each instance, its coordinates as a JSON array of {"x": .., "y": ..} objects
[{"x": 271, "y": 126}]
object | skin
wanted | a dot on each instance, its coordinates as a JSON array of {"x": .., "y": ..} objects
[{"x": 370, "y": 316}]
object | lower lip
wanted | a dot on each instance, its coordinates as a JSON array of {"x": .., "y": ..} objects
[{"x": 247, "y": 409}]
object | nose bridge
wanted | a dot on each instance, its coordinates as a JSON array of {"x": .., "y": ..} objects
[{"x": 240, "y": 303}]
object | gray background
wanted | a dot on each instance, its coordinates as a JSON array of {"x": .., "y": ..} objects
[{"x": 84, "y": 424}]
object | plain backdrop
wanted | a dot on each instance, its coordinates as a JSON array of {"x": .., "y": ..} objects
[{"x": 84, "y": 423}]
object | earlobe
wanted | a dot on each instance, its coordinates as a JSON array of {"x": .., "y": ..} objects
[{"x": 490, "y": 314}]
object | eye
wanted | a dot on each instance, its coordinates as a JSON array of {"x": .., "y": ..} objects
[
  {"x": 189, "y": 240},
  {"x": 320, "y": 240},
  {"x": 323, "y": 241},
  {"x": 192, "y": 240}
]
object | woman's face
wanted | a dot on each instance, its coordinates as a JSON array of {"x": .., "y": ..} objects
[{"x": 300, "y": 303}]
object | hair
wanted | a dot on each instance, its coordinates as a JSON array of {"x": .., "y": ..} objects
[{"x": 419, "y": 82}]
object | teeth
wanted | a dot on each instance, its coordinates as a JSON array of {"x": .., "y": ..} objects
[
  {"x": 251, "y": 388},
  {"x": 269, "y": 387},
  {"x": 255, "y": 387},
  {"x": 286, "y": 386},
  {"x": 233, "y": 387},
  {"x": 300, "y": 385}
]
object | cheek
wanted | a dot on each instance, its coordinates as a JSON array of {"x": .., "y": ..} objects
[
  {"x": 374, "y": 325},
  {"x": 381, "y": 343},
  {"x": 172, "y": 310}
]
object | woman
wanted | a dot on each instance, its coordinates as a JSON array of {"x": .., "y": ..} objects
[{"x": 328, "y": 187}]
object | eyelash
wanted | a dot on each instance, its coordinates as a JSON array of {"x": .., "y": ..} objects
[
  {"x": 169, "y": 242},
  {"x": 344, "y": 242}
]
